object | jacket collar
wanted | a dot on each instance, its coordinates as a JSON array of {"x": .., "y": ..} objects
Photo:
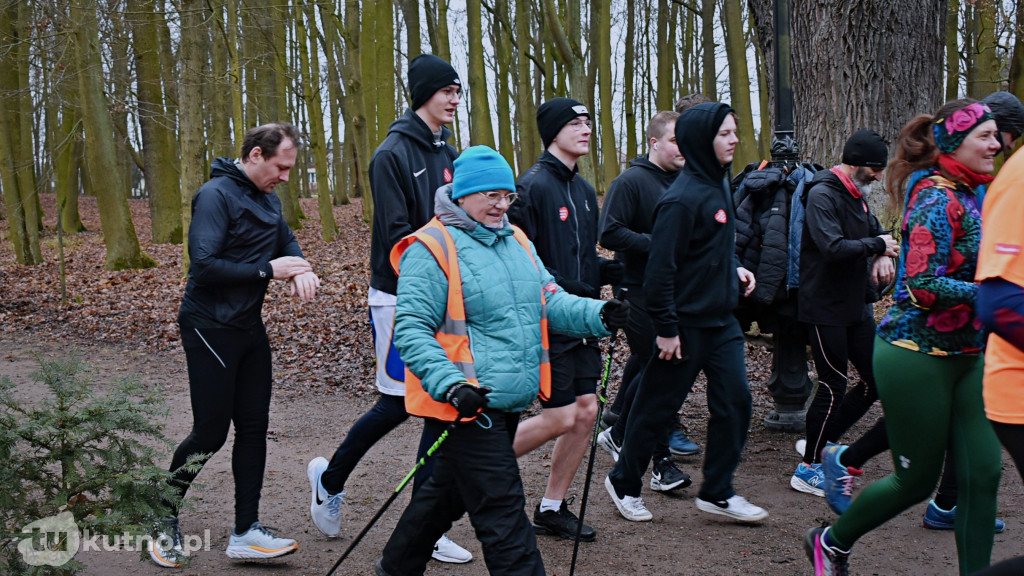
[
  {"x": 451, "y": 214},
  {"x": 556, "y": 167}
]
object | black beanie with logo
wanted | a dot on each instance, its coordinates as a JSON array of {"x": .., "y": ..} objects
[
  {"x": 556, "y": 113},
  {"x": 866, "y": 148}
]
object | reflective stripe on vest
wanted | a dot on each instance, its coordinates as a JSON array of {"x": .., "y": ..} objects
[{"x": 453, "y": 334}]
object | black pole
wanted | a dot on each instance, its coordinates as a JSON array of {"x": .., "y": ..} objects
[{"x": 784, "y": 145}]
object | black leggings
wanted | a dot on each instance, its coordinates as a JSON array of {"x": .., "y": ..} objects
[
  {"x": 833, "y": 410},
  {"x": 229, "y": 376},
  {"x": 1011, "y": 436}
]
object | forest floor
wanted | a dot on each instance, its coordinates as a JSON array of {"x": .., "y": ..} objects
[{"x": 123, "y": 323}]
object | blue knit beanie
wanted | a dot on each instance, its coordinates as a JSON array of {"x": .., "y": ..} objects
[{"x": 481, "y": 169}]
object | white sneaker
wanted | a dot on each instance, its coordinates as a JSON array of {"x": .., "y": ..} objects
[
  {"x": 257, "y": 542},
  {"x": 736, "y": 508},
  {"x": 631, "y": 507},
  {"x": 323, "y": 507},
  {"x": 165, "y": 547},
  {"x": 801, "y": 446},
  {"x": 605, "y": 440},
  {"x": 447, "y": 551}
]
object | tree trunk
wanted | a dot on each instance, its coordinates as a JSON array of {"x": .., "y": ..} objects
[
  {"x": 480, "y": 129},
  {"x": 707, "y": 28},
  {"x": 123, "y": 250},
  {"x": 311, "y": 92},
  {"x": 628, "y": 81},
  {"x": 160, "y": 154},
  {"x": 739, "y": 82},
  {"x": 873, "y": 89},
  {"x": 1016, "y": 84},
  {"x": 9, "y": 113},
  {"x": 953, "y": 51},
  {"x": 238, "y": 121},
  {"x": 606, "y": 116},
  {"x": 411, "y": 14},
  {"x": 336, "y": 97},
  {"x": 193, "y": 146},
  {"x": 984, "y": 78},
  {"x": 526, "y": 111},
  {"x": 502, "y": 39},
  {"x": 666, "y": 60},
  {"x": 355, "y": 93}
]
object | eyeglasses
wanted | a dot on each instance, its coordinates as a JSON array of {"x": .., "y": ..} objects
[
  {"x": 495, "y": 197},
  {"x": 579, "y": 123}
]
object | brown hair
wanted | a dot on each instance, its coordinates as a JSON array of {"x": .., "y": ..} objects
[
  {"x": 690, "y": 100},
  {"x": 662, "y": 123},
  {"x": 267, "y": 138},
  {"x": 916, "y": 150}
]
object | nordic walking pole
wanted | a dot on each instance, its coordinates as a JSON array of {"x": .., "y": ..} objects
[
  {"x": 602, "y": 390},
  {"x": 398, "y": 490}
]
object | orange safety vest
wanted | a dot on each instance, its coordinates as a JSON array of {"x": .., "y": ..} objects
[{"x": 453, "y": 335}]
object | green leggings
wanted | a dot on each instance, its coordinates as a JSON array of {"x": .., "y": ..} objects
[{"x": 931, "y": 402}]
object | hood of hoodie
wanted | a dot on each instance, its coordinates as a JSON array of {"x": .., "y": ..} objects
[
  {"x": 227, "y": 168},
  {"x": 695, "y": 132},
  {"x": 659, "y": 172},
  {"x": 451, "y": 214},
  {"x": 416, "y": 129}
]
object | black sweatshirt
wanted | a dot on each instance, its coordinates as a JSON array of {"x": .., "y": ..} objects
[
  {"x": 236, "y": 230},
  {"x": 406, "y": 170},
  {"x": 628, "y": 216},
  {"x": 691, "y": 272}
]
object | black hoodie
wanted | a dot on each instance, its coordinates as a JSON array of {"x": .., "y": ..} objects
[
  {"x": 691, "y": 272},
  {"x": 628, "y": 214},
  {"x": 405, "y": 171},
  {"x": 236, "y": 230}
]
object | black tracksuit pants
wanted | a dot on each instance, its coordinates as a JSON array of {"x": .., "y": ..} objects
[
  {"x": 476, "y": 472},
  {"x": 229, "y": 378},
  {"x": 640, "y": 334},
  {"x": 833, "y": 410},
  {"x": 719, "y": 353}
]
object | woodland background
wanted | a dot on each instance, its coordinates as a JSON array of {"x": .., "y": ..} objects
[{"x": 121, "y": 99}]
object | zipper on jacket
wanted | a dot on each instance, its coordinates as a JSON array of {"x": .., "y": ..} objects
[{"x": 576, "y": 218}]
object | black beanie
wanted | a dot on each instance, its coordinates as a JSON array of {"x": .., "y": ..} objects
[
  {"x": 556, "y": 113},
  {"x": 1008, "y": 111},
  {"x": 427, "y": 75},
  {"x": 866, "y": 148}
]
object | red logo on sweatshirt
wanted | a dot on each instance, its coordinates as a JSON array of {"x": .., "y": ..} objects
[
  {"x": 447, "y": 176},
  {"x": 720, "y": 216},
  {"x": 551, "y": 288},
  {"x": 563, "y": 213}
]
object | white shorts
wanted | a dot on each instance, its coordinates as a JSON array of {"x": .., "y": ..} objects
[{"x": 390, "y": 368}]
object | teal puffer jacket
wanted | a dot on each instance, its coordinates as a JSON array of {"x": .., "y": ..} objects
[{"x": 501, "y": 288}]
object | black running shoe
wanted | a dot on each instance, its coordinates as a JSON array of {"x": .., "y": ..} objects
[
  {"x": 562, "y": 523},
  {"x": 666, "y": 476}
]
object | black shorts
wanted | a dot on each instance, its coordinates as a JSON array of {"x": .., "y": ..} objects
[{"x": 574, "y": 372}]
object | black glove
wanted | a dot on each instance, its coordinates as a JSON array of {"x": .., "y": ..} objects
[
  {"x": 614, "y": 314},
  {"x": 469, "y": 400},
  {"x": 577, "y": 287},
  {"x": 612, "y": 271}
]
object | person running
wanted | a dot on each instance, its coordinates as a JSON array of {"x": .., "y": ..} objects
[
  {"x": 844, "y": 251},
  {"x": 626, "y": 228},
  {"x": 412, "y": 162},
  {"x": 692, "y": 285},
  {"x": 1001, "y": 308},
  {"x": 237, "y": 242},
  {"x": 474, "y": 305},
  {"x": 558, "y": 211},
  {"x": 928, "y": 359}
]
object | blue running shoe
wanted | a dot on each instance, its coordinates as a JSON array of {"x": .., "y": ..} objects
[
  {"x": 680, "y": 445},
  {"x": 936, "y": 518},
  {"x": 809, "y": 479},
  {"x": 839, "y": 479}
]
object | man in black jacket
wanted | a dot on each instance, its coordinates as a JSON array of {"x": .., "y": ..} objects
[
  {"x": 626, "y": 228},
  {"x": 692, "y": 285},
  {"x": 237, "y": 242},
  {"x": 843, "y": 253},
  {"x": 412, "y": 162},
  {"x": 558, "y": 210}
]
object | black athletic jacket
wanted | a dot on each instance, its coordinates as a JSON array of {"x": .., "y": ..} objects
[
  {"x": 691, "y": 272},
  {"x": 839, "y": 238},
  {"x": 405, "y": 171},
  {"x": 236, "y": 231},
  {"x": 628, "y": 214}
]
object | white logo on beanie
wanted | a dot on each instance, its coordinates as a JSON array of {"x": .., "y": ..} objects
[{"x": 580, "y": 109}]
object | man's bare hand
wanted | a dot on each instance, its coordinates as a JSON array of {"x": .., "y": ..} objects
[
  {"x": 304, "y": 286},
  {"x": 669, "y": 348},
  {"x": 746, "y": 280},
  {"x": 287, "y": 267},
  {"x": 892, "y": 248},
  {"x": 882, "y": 271}
]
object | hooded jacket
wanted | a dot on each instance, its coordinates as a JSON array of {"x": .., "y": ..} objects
[
  {"x": 405, "y": 170},
  {"x": 840, "y": 236},
  {"x": 691, "y": 272},
  {"x": 236, "y": 230},
  {"x": 501, "y": 291},
  {"x": 628, "y": 215}
]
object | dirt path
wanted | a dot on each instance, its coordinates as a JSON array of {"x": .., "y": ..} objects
[{"x": 680, "y": 540}]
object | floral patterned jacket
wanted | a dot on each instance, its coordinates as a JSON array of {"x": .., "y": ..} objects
[{"x": 935, "y": 293}]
